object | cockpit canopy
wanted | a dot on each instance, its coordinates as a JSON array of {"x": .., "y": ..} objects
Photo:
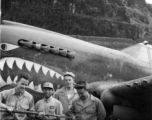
[{"x": 141, "y": 51}]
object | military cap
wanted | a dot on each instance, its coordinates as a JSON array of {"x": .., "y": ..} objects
[
  {"x": 48, "y": 85},
  {"x": 69, "y": 74}
]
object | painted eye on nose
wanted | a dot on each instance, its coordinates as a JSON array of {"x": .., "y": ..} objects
[
  {"x": 7, "y": 47},
  {"x": 3, "y": 46}
]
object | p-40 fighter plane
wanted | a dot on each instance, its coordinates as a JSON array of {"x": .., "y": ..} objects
[{"x": 121, "y": 79}]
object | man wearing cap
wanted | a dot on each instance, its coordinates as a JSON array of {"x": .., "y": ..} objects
[
  {"x": 87, "y": 107},
  {"x": 48, "y": 105},
  {"x": 67, "y": 94}
]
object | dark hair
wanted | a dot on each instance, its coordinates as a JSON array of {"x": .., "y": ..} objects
[
  {"x": 23, "y": 75},
  {"x": 81, "y": 85}
]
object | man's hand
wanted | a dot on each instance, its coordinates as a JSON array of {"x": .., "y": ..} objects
[
  {"x": 41, "y": 115},
  {"x": 10, "y": 109},
  {"x": 31, "y": 116}
]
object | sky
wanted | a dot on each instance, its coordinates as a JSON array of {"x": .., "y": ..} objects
[{"x": 149, "y": 1}]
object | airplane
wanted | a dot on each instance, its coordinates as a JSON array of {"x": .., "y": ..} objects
[{"x": 122, "y": 79}]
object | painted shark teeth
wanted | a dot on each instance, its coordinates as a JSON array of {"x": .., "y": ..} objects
[
  {"x": 34, "y": 87},
  {"x": 2, "y": 81},
  {"x": 31, "y": 85},
  {"x": 62, "y": 77},
  {"x": 2, "y": 61},
  {"x": 57, "y": 75},
  {"x": 29, "y": 65},
  {"x": 39, "y": 88},
  {"x": 45, "y": 70},
  {"x": 20, "y": 62},
  {"x": 51, "y": 73},
  {"x": 15, "y": 79},
  {"x": 10, "y": 62},
  {"x": 9, "y": 80},
  {"x": 37, "y": 67}
]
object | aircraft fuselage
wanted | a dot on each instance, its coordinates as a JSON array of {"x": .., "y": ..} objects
[{"x": 91, "y": 62}]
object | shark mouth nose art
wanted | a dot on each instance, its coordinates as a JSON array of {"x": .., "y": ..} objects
[{"x": 11, "y": 66}]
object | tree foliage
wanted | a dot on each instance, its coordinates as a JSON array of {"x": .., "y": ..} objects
[{"x": 73, "y": 17}]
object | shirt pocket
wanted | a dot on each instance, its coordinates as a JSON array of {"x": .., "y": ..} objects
[
  {"x": 12, "y": 104},
  {"x": 90, "y": 111},
  {"x": 77, "y": 112},
  {"x": 51, "y": 109},
  {"x": 24, "y": 107}
]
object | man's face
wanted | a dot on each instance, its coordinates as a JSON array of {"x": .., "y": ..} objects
[
  {"x": 83, "y": 94},
  {"x": 69, "y": 81},
  {"x": 47, "y": 92},
  {"x": 22, "y": 85}
]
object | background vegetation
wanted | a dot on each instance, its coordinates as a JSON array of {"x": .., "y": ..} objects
[{"x": 101, "y": 18}]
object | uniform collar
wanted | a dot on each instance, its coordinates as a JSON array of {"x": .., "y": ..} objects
[
  {"x": 14, "y": 92},
  {"x": 47, "y": 100},
  {"x": 63, "y": 90},
  {"x": 90, "y": 101},
  {"x": 91, "y": 97}
]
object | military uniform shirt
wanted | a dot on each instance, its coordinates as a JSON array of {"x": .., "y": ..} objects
[
  {"x": 49, "y": 106},
  {"x": 24, "y": 102},
  {"x": 64, "y": 99},
  {"x": 92, "y": 110}
]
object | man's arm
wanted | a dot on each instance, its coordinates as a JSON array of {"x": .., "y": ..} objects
[
  {"x": 36, "y": 107},
  {"x": 3, "y": 95},
  {"x": 60, "y": 110},
  {"x": 71, "y": 112},
  {"x": 101, "y": 113},
  {"x": 31, "y": 108},
  {"x": 31, "y": 104},
  {"x": 2, "y": 105},
  {"x": 41, "y": 113}
]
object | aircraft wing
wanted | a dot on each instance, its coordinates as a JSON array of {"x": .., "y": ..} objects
[
  {"x": 138, "y": 92},
  {"x": 131, "y": 95}
]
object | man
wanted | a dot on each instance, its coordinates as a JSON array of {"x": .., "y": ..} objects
[
  {"x": 17, "y": 99},
  {"x": 87, "y": 107},
  {"x": 48, "y": 105},
  {"x": 67, "y": 94}
]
